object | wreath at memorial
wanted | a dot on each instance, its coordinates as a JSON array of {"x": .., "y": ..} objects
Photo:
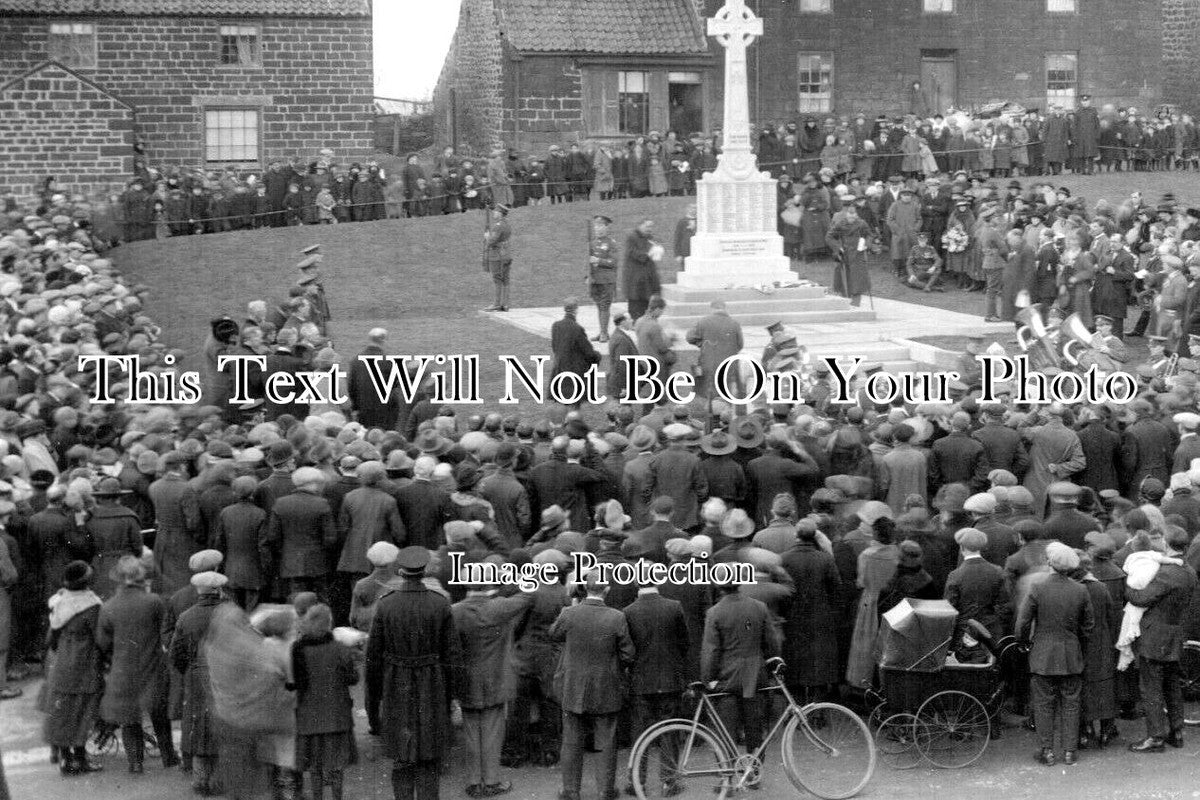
[{"x": 956, "y": 240}]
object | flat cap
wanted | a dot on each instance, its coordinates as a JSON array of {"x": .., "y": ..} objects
[
  {"x": 205, "y": 561},
  {"x": 1063, "y": 489},
  {"x": 971, "y": 539},
  {"x": 208, "y": 581},
  {"x": 381, "y": 554},
  {"x": 982, "y": 503}
]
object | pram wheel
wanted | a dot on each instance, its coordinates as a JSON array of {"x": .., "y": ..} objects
[
  {"x": 955, "y": 729},
  {"x": 896, "y": 740}
]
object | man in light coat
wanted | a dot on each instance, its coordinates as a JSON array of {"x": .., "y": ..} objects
[
  {"x": 1055, "y": 454},
  {"x": 719, "y": 336}
]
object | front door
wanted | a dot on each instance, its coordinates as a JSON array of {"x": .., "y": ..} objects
[
  {"x": 939, "y": 81},
  {"x": 685, "y": 98}
]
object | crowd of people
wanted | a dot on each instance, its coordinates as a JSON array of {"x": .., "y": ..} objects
[
  {"x": 1000, "y": 142},
  {"x": 151, "y": 553}
]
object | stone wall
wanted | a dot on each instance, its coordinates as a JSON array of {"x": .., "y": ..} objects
[
  {"x": 314, "y": 87},
  {"x": 1181, "y": 63},
  {"x": 54, "y": 122},
  {"x": 547, "y": 107},
  {"x": 473, "y": 69},
  {"x": 1000, "y": 49}
]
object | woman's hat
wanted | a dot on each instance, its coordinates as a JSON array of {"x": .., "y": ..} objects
[{"x": 77, "y": 576}]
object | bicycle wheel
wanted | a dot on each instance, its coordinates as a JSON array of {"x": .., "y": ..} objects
[
  {"x": 1189, "y": 668},
  {"x": 680, "y": 759},
  {"x": 896, "y": 741},
  {"x": 827, "y": 750},
  {"x": 956, "y": 729}
]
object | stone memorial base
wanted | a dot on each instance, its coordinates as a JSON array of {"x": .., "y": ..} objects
[{"x": 736, "y": 242}]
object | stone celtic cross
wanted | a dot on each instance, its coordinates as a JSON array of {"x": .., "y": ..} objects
[{"x": 736, "y": 27}]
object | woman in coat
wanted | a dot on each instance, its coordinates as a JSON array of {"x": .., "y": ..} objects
[
  {"x": 814, "y": 224},
  {"x": 876, "y": 567},
  {"x": 116, "y": 531},
  {"x": 1078, "y": 271},
  {"x": 910, "y": 148},
  {"x": 129, "y": 635},
  {"x": 74, "y": 684},
  {"x": 1099, "y": 696},
  {"x": 323, "y": 671},
  {"x": 809, "y": 638}
]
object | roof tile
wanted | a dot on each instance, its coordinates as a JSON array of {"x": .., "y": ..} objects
[{"x": 604, "y": 26}]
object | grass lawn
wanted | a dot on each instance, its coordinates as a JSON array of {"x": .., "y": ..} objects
[{"x": 422, "y": 278}]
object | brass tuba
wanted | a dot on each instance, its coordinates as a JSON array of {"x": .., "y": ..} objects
[
  {"x": 1034, "y": 338},
  {"x": 1079, "y": 339}
]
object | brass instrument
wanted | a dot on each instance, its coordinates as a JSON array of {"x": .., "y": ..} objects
[
  {"x": 1035, "y": 338},
  {"x": 1078, "y": 336}
]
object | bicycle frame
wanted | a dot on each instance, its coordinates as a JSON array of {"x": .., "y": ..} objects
[{"x": 717, "y": 725}]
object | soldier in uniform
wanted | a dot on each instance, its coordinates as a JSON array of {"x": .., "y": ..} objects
[
  {"x": 413, "y": 654},
  {"x": 310, "y": 279},
  {"x": 497, "y": 259},
  {"x": 1159, "y": 359},
  {"x": 602, "y": 271},
  {"x": 924, "y": 264}
]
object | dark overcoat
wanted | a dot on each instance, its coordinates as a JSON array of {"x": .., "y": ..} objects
[
  {"x": 129, "y": 634},
  {"x": 199, "y": 735},
  {"x": 116, "y": 532},
  {"x": 372, "y": 412},
  {"x": 301, "y": 526},
  {"x": 571, "y": 348},
  {"x": 485, "y": 627},
  {"x": 596, "y": 651},
  {"x": 659, "y": 632},
  {"x": 536, "y": 653},
  {"x": 413, "y": 657},
  {"x": 1057, "y": 619},
  {"x": 809, "y": 628},
  {"x": 323, "y": 671},
  {"x": 641, "y": 272},
  {"x": 1100, "y": 658},
  {"x": 240, "y": 531},
  {"x": 739, "y": 635},
  {"x": 177, "y": 517},
  {"x": 977, "y": 590}
]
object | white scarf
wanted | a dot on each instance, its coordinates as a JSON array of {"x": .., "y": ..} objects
[{"x": 66, "y": 604}]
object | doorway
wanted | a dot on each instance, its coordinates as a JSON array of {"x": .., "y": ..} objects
[
  {"x": 685, "y": 101},
  {"x": 939, "y": 79}
]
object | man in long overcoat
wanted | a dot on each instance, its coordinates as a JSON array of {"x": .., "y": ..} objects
[
  {"x": 1059, "y": 612},
  {"x": 809, "y": 628},
  {"x": 299, "y": 531},
  {"x": 199, "y": 735},
  {"x": 590, "y": 684},
  {"x": 1054, "y": 455},
  {"x": 903, "y": 222},
  {"x": 719, "y": 336},
  {"x": 1148, "y": 448},
  {"x": 659, "y": 632},
  {"x": 641, "y": 268},
  {"x": 129, "y": 633},
  {"x": 177, "y": 517},
  {"x": 413, "y": 655},
  {"x": 569, "y": 343},
  {"x": 848, "y": 239},
  {"x": 1056, "y": 136},
  {"x": 373, "y": 412},
  {"x": 1085, "y": 135}
]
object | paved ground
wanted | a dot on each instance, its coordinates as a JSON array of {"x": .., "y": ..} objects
[{"x": 1006, "y": 770}]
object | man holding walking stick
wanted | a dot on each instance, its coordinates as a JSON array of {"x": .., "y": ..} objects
[{"x": 849, "y": 238}]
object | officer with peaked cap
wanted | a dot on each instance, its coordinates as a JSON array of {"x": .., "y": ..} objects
[{"x": 412, "y": 659}]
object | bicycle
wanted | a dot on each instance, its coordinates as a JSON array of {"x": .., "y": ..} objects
[{"x": 827, "y": 750}]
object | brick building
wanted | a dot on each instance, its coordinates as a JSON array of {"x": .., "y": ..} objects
[
  {"x": 533, "y": 72},
  {"x": 198, "y": 82},
  {"x": 520, "y": 70}
]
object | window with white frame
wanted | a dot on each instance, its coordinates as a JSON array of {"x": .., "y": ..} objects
[
  {"x": 815, "y": 79},
  {"x": 231, "y": 135},
  {"x": 73, "y": 44},
  {"x": 938, "y": 6},
  {"x": 1062, "y": 6},
  {"x": 240, "y": 44},
  {"x": 816, "y": 6},
  {"x": 633, "y": 98},
  {"x": 1062, "y": 79}
]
